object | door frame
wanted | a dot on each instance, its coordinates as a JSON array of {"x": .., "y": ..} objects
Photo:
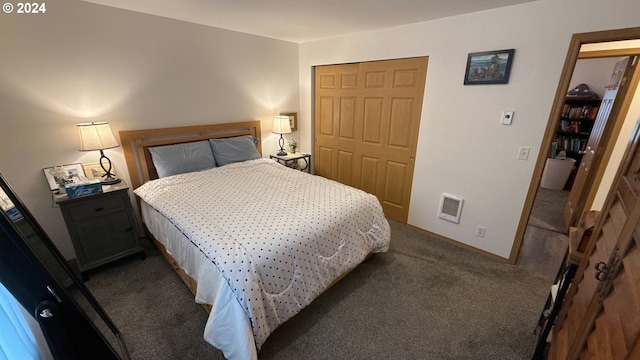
[{"x": 611, "y": 130}]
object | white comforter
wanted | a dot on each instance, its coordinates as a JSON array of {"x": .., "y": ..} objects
[{"x": 277, "y": 237}]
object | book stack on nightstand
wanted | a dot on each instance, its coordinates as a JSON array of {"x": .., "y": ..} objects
[{"x": 102, "y": 226}]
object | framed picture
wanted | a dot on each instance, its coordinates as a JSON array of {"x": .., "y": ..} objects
[
  {"x": 74, "y": 170},
  {"x": 95, "y": 171},
  {"x": 489, "y": 67},
  {"x": 293, "y": 120}
]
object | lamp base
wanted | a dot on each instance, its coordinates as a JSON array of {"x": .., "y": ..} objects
[
  {"x": 282, "y": 151},
  {"x": 110, "y": 181}
]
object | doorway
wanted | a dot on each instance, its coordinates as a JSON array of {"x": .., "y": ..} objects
[
  {"x": 614, "y": 43},
  {"x": 574, "y": 146}
]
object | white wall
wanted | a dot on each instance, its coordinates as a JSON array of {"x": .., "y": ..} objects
[
  {"x": 596, "y": 73},
  {"x": 462, "y": 148},
  {"x": 85, "y": 62}
]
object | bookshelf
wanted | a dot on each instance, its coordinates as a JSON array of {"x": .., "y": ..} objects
[{"x": 574, "y": 128}]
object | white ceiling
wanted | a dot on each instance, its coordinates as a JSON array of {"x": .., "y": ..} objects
[{"x": 305, "y": 20}]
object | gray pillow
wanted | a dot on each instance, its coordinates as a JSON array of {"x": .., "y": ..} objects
[
  {"x": 182, "y": 158},
  {"x": 235, "y": 149}
]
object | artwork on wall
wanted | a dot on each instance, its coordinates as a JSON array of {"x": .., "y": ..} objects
[
  {"x": 488, "y": 67},
  {"x": 293, "y": 120}
]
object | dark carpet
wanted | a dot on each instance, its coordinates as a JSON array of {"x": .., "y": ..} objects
[{"x": 424, "y": 299}]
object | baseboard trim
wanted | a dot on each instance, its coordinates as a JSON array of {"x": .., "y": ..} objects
[{"x": 462, "y": 245}]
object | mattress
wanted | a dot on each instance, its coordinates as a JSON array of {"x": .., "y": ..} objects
[{"x": 261, "y": 240}]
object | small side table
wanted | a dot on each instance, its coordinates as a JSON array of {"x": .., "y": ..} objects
[
  {"x": 102, "y": 226},
  {"x": 291, "y": 160}
]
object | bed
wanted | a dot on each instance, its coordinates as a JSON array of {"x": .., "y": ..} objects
[{"x": 253, "y": 240}]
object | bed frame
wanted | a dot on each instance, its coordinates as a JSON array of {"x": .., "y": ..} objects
[{"x": 136, "y": 143}]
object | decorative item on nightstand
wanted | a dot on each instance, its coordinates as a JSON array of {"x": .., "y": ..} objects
[
  {"x": 58, "y": 177},
  {"x": 293, "y": 144},
  {"x": 61, "y": 177},
  {"x": 98, "y": 136},
  {"x": 281, "y": 126}
]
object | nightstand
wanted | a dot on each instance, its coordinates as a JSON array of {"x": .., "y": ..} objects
[
  {"x": 102, "y": 226},
  {"x": 291, "y": 160}
]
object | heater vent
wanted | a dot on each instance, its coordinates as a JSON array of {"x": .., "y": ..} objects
[{"x": 450, "y": 208}]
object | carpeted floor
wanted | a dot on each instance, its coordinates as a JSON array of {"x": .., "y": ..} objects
[
  {"x": 424, "y": 299},
  {"x": 548, "y": 210}
]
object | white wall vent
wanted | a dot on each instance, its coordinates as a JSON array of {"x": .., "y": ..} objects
[{"x": 450, "y": 208}]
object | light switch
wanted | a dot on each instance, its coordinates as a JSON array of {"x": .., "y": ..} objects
[{"x": 523, "y": 152}]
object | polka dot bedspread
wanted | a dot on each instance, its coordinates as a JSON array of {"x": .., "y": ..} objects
[{"x": 277, "y": 236}]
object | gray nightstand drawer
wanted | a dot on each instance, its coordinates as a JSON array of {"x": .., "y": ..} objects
[{"x": 89, "y": 209}]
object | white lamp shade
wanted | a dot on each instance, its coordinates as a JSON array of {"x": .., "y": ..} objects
[
  {"x": 96, "y": 136},
  {"x": 281, "y": 125}
]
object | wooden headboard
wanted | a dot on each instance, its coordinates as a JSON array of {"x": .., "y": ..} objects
[{"x": 136, "y": 143}]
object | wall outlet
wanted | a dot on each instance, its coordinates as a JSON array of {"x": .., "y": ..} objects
[{"x": 480, "y": 230}]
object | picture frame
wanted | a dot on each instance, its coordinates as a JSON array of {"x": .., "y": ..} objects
[
  {"x": 489, "y": 67},
  {"x": 75, "y": 169},
  {"x": 293, "y": 120},
  {"x": 95, "y": 171}
]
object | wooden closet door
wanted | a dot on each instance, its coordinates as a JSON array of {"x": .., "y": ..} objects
[
  {"x": 391, "y": 98},
  {"x": 335, "y": 121},
  {"x": 600, "y": 318},
  {"x": 367, "y": 119}
]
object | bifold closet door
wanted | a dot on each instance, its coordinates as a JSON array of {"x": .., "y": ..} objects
[{"x": 367, "y": 119}]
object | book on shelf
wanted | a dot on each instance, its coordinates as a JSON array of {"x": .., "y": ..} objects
[
  {"x": 570, "y": 126},
  {"x": 579, "y": 112},
  {"x": 568, "y": 143}
]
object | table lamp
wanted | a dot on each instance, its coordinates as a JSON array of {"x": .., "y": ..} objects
[
  {"x": 281, "y": 126},
  {"x": 98, "y": 136}
]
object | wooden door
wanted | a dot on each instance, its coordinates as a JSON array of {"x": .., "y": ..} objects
[
  {"x": 367, "y": 120},
  {"x": 600, "y": 318},
  {"x": 335, "y": 121},
  {"x": 593, "y": 153}
]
